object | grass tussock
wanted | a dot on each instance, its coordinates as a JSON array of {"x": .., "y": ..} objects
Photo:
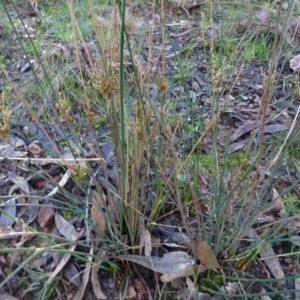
[{"x": 135, "y": 113}]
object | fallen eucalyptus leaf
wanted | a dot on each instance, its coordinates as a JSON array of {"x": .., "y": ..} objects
[
  {"x": 66, "y": 229},
  {"x": 99, "y": 221},
  {"x": 96, "y": 284},
  {"x": 19, "y": 181},
  {"x": 8, "y": 213},
  {"x": 172, "y": 265},
  {"x": 63, "y": 261},
  {"x": 249, "y": 126},
  {"x": 85, "y": 278},
  {"x": 205, "y": 254},
  {"x": 33, "y": 209},
  {"x": 268, "y": 255}
]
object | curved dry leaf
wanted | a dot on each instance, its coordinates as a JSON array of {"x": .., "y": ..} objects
[
  {"x": 21, "y": 182},
  {"x": 85, "y": 278},
  {"x": 268, "y": 255},
  {"x": 249, "y": 126},
  {"x": 66, "y": 229},
  {"x": 172, "y": 265},
  {"x": 7, "y": 149},
  {"x": 33, "y": 209},
  {"x": 145, "y": 241},
  {"x": 245, "y": 128},
  {"x": 275, "y": 128},
  {"x": 41, "y": 261},
  {"x": 64, "y": 260},
  {"x": 96, "y": 284},
  {"x": 100, "y": 199},
  {"x": 205, "y": 254},
  {"x": 9, "y": 211},
  {"x": 241, "y": 144},
  {"x": 65, "y": 50},
  {"x": 71, "y": 273},
  {"x": 295, "y": 63},
  {"x": 99, "y": 221}
]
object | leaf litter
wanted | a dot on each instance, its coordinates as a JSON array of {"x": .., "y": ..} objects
[{"x": 175, "y": 263}]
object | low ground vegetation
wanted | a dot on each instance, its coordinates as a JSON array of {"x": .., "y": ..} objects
[{"x": 149, "y": 150}]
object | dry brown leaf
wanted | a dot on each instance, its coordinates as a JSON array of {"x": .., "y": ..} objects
[
  {"x": 110, "y": 210},
  {"x": 205, "y": 254},
  {"x": 85, "y": 277},
  {"x": 275, "y": 128},
  {"x": 241, "y": 28},
  {"x": 270, "y": 258},
  {"x": 21, "y": 182},
  {"x": 145, "y": 238},
  {"x": 71, "y": 273},
  {"x": 99, "y": 221},
  {"x": 278, "y": 205},
  {"x": 245, "y": 128},
  {"x": 96, "y": 284},
  {"x": 199, "y": 204},
  {"x": 61, "y": 264},
  {"x": 99, "y": 199}
]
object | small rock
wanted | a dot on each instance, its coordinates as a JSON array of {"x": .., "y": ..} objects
[{"x": 263, "y": 15}]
